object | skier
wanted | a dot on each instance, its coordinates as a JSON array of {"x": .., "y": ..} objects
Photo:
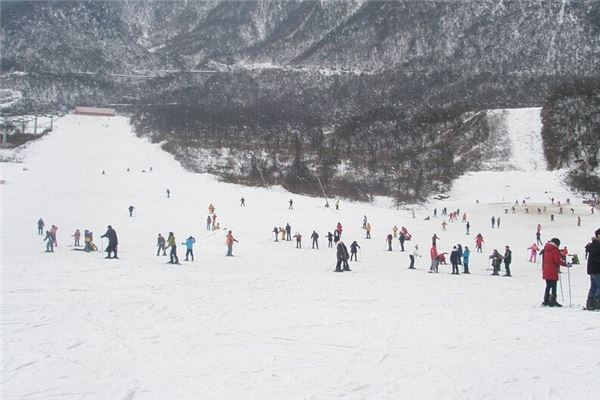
[
  {"x": 413, "y": 255},
  {"x": 160, "y": 244},
  {"x": 395, "y": 231},
  {"x": 282, "y": 233},
  {"x": 172, "y": 243},
  {"x": 454, "y": 260},
  {"x": 275, "y": 231},
  {"x": 368, "y": 228},
  {"x": 288, "y": 232},
  {"x": 229, "y": 241},
  {"x": 189, "y": 244},
  {"x": 364, "y": 222},
  {"x": 208, "y": 223},
  {"x": 479, "y": 243},
  {"x": 336, "y": 236},
  {"x": 291, "y": 206},
  {"x": 551, "y": 262},
  {"x": 578, "y": 221},
  {"x": 389, "y": 239},
  {"x": 402, "y": 239},
  {"x": 337, "y": 204},
  {"x": 214, "y": 221},
  {"x": 49, "y": 242},
  {"x": 211, "y": 208},
  {"x": 434, "y": 259},
  {"x": 298, "y": 238},
  {"x": 435, "y": 213},
  {"x": 76, "y": 236},
  {"x": 538, "y": 239},
  {"x": 111, "y": 235},
  {"x": 493, "y": 222},
  {"x": 460, "y": 253},
  {"x": 53, "y": 230},
  {"x": 496, "y": 258},
  {"x": 40, "y": 225},
  {"x": 168, "y": 193},
  {"x": 533, "y": 252},
  {"x": 88, "y": 239},
  {"x": 498, "y": 223},
  {"x": 593, "y": 270},
  {"x": 507, "y": 260},
  {"x": 353, "y": 250},
  {"x": 315, "y": 239},
  {"x": 434, "y": 239},
  {"x": 551, "y": 217},
  {"x": 468, "y": 227},
  {"x": 131, "y": 208},
  {"x": 342, "y": 258},
  {"x": 329, "y": 239},
  {"x": 466, "y": 254},
  {"x": 444, "y": 224},
  {"x": 242, "y": 202},
  {"x": 338, "y": 228}
]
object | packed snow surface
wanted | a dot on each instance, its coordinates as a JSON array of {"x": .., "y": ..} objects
[{"x": 274, "y": 322}]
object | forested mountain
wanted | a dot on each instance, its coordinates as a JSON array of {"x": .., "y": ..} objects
[{"x": 373, "y": 97}]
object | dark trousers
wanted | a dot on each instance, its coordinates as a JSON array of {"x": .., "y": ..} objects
[
  {"x": 288, "y": 236},
  {"x": 340, "y": 263},
  {"x": 594, "y": 286},
  {"x": 455, "y": 268},
  {"x": 161, "y": 247},
  {"x": 298, "y": 244},
  {"x": 401, "y": 245},
  {"x": 353, "y": 255},
  {"x": 173, "y": 255},
  {"x": 550, "y": 289},
  {"x": 40, "y": 230},
  {"x": 315, "y": 244},
  {"x": 412, "y": 262},
  {"x": 389, "y": 245},
  {"x": 110, "y": 249},
  {"x": 329, "y": 243},
  {"x": 189, "y": 253},
  {"x": 466, "y": 268},
  {"x": 507, "y": 268}
]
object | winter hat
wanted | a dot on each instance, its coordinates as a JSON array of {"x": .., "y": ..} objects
[
  {"x": 555, "y": 241},
  {"x": 597, "y": 232}
]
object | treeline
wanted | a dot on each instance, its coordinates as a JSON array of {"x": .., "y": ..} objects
[{"x": 571, "y": 131}]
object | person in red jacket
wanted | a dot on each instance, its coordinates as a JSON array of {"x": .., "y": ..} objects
[{"x": 551, "y": 262}]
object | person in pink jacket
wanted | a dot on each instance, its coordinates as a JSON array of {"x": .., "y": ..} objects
[{"x": 533, "y": 250}]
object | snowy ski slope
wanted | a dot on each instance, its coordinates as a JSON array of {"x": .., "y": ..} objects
[{"x": 273, "y": 322}]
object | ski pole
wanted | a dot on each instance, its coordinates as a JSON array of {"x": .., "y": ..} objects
[{"x": 569, "y": 283}]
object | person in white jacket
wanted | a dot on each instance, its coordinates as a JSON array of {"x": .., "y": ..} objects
[{"x": 413, "y": 255}]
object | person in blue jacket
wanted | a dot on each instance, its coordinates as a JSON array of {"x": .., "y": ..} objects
[
  {"x": 465, "y": 256},
  {"x": 189, "y": 245}
]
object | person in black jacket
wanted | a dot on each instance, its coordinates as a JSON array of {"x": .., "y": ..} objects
[
  {"x": 507, "y": 260},
  {"x": 315, "y": 239},
  {"x": 111, "y": 234},
  {"x": 402, "y": 239},
  {"x": 353, "y": 249},
  {"x": 342, "y": 257},
  {"x": 593, "y": 270},
  {"x": 454, "y": 260},
  {"x": 329, "y": 239}
]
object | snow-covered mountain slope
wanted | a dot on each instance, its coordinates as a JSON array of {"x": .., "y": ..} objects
[
  {"x": 515, "y": 168},
  {"x": 272, "y": 321}
]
